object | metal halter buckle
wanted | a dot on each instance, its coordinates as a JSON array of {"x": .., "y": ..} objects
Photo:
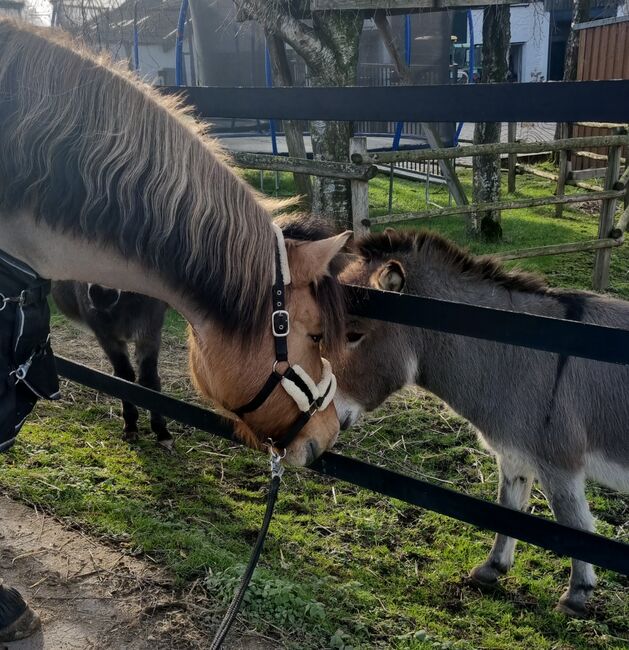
[{"x": 280, "y": 322}]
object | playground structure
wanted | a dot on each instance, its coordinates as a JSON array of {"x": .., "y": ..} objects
[{"x": 426, "y": 51}]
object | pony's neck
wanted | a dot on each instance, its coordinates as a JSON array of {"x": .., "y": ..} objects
[{"x": 59, "y": 256}]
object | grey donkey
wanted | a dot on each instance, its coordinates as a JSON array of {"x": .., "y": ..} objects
[
  {"x": 118, "y": 318},
  {"x": 544, "y": 416}
]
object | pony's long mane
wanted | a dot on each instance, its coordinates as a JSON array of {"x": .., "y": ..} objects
[
  {"x": 392, "y": 242},
  {"x": 92, "y": 151}
]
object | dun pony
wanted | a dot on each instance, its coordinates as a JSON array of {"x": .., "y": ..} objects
[{"x": 104, "y": 180}]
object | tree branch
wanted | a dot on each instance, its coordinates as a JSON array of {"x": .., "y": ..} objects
[
  {"x": 384, "y": 27},
  {"x": 276, "y": 20}
]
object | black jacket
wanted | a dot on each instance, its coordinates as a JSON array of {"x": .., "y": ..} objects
[{"x": 27, "y": 366}]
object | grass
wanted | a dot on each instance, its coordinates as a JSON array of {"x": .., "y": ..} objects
[{"x": 342, "y": 568}]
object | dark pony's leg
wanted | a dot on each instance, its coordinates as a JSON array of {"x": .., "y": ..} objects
[
  {"x": 118, "y": 354},
  {"x": 17, "y": 619},
  {"x": 147, "y": 356}
]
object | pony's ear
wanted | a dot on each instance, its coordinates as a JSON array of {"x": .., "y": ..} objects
[
  {"x": 309, "y": 261},
  {"x": 389, "y": 276}
]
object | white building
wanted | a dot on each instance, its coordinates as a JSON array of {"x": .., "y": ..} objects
[
  {"x": 12, "y": 8},
  {"x": 530, "y": 31},
  {"x": 539, "y": 32},
  {"x": 109, "y": 25}
]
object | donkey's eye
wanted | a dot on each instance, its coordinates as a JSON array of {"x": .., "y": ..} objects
[
  {"x": 317, "y": 338},
  {"x": 354, "y": 337}
]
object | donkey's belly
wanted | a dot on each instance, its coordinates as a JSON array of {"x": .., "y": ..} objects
[{"x": 607, "y": 472}]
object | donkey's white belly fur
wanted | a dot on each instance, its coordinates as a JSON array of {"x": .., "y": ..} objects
[{"x": 607, "y": 472}]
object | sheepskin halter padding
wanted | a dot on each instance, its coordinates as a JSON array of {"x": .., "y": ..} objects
[{"x": 320, "y": 394}]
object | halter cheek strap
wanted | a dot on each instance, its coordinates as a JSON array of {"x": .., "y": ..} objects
[{"x": 307, "y": 395}]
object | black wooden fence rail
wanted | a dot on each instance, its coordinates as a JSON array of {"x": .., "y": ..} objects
[
  {"x": 598, "y": 101},
  {"x": 604, "y": 101},
  {"x": 548, "y": 334},
  {"x": 563, "y": 540}
]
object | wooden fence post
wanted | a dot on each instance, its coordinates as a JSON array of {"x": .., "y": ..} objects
[
  {"x": 513, "y": 157},
  {"x": 360, "y": 190},
  {"x": 563, "y": 170},
  {"x": 602, "y": 258}
]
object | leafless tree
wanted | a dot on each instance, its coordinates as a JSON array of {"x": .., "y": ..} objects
[
  {"x": 486, "y": 169},
  {"x": 328, "y": 43}
]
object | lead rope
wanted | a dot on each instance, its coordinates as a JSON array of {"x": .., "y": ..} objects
[{"x": 277, "y": 469}]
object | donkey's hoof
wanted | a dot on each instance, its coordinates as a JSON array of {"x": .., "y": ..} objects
[
  {"x": 485, "y": 575},
  {"x": 17, "y": 620},
  {"x": 575, "y": 608},
  {"x": 167, "y": 444}
]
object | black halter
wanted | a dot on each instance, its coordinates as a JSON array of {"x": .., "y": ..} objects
[{"x": 280, "y": 326}]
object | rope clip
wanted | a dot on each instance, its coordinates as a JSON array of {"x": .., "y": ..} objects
[{"x": 275, "y": 458}]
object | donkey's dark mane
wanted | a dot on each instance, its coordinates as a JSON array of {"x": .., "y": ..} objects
[
  {"x": 90, "y": 150},
  {"x": 392, "y": 242}
]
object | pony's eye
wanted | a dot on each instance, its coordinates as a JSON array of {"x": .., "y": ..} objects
[
  {"x": 317, "y": 338},
  {"x": 354, "y": 337}
]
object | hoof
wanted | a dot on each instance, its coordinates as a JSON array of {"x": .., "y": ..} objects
[
  {"x": 17, "y": 620},
  {"x": 168, "y": 444},
  {"x": 571, "y": 607},
  {"x": 130, "y": 435},
  {"x": 485, "y": 575}
]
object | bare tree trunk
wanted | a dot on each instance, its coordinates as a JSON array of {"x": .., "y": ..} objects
[
  {"x": 486, "y": 169},
  {"x": 340, "y": 32},
  {"x": 331, "y": 197},
  {"x": 580, "y": 14},
  {"x": 282, "y": 76},
  {"x": 329, "y": 46}
]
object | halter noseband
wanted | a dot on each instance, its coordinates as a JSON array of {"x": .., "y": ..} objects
[{"x": 307, "y": 395}]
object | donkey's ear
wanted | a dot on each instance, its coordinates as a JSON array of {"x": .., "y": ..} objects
[
  {"x": 309, "y": 261},
  {"x": 390, "y": 276}
]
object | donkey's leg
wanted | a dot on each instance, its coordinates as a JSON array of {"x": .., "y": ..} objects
[
  {"x": 566, "y": 494},
  {"x": 147, "y": 355},
  {"x": 514, "y": 492},
  {"x": 118, "y": 354}
]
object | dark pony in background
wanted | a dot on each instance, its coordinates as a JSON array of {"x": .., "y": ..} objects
[{"x": 118, "y": 318}]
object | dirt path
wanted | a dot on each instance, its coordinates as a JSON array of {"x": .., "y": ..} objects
[{"x": 90, "y": 596}]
